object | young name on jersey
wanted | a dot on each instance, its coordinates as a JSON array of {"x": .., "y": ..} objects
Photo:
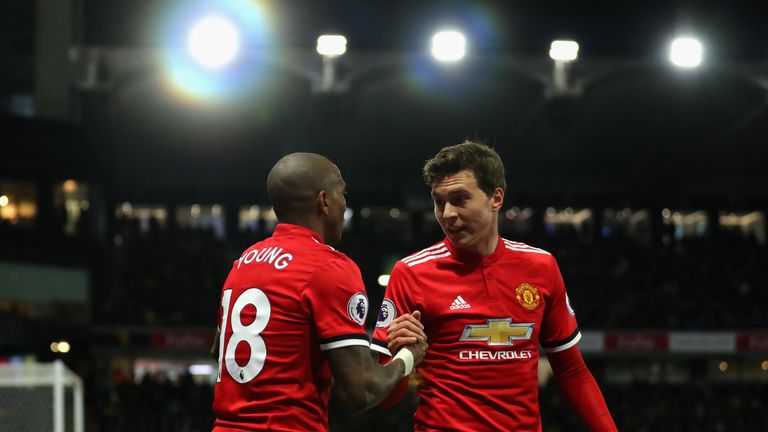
[{"x": 272, "y": 255}]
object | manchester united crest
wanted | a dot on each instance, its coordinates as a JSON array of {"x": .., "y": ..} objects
[{"x": 528, "y": 296}]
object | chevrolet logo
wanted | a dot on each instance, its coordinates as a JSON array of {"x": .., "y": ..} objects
[{"x": 497, "y": 332}]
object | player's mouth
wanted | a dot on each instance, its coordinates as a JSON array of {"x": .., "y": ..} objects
[{"x": 455, "y": 230}]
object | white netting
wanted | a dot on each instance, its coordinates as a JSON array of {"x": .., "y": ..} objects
[{"x": 40, "y": 397}]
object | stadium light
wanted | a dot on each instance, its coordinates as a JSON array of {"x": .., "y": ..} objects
[
  {"x": 63, "y": 347},
  {"x": 564, "y": 50},
  {"x": 213, "y": 42},
  {"x": 200, "y": 369},
  {"x": 383, "y": 280},
  {"x": 331, "y": 45},
  {"x": 448, "y": 46},
  {"x": 685, "y": 52}
]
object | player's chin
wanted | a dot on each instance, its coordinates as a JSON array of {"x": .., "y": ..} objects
[{"x": 459, "y": 238}]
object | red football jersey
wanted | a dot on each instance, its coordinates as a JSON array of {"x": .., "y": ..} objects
[
  {"x": 484, "y": 319},
  {"x": 287, "y": 299}
]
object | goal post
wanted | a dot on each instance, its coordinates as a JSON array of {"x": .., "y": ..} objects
[{"x": 40, "y": 397}]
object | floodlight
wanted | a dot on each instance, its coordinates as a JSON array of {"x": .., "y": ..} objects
[
  {"x": 213, "y": 42},
  {"x": 383, "y": 280},
  {"x": 200, "y": 369},
  {"x": 564, "y": 50},
  {"x": 448, "y": 46},
  {"x": 331, "y": 45},
  {"x": 685, "y": 52}
]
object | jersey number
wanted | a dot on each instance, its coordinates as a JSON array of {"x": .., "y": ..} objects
[{"x": 249, "y": 334}]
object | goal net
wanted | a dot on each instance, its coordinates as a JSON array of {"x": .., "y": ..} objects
[{"x": 40, "y": 397}]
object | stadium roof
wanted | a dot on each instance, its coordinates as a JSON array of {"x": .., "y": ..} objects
[{"x": 639, "y": 127}]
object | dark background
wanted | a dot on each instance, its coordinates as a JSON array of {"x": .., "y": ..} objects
[{"x": 639, "y": 134}]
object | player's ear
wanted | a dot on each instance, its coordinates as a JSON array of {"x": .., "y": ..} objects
[
  {"x": 322, "y": 202},
  {"x": 497, "y": 199}
]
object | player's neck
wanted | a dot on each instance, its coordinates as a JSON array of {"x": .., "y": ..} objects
[
  {"x": 487, "y": 247},
  {"x": 309, "y": 223},
  {"x": 487, "y": 244}
]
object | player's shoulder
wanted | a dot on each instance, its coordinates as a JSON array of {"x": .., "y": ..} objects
[
  {"x": 328, "y": 252},
  {"x": 329, "y": 258},
  {"x": 521, "y": 250},
  {"x": 426, "y": 258}
]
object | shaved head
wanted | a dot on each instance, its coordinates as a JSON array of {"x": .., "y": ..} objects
[{"x": 296, "y": 180}]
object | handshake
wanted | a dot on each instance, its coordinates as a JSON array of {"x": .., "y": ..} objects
[{"x": 407, "y": 331}]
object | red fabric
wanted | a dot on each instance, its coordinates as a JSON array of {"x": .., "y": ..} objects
[
  {"x": 286, "y": 300},
  {"x": 580, "y": 388},
  {"x": 469, "y": 382}
]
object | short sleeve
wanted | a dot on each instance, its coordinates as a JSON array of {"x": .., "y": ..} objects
[
  {"x": 560, "y": 330},
  {"x": 403, "y": 295},
  {"x": 338, "y": 303}
]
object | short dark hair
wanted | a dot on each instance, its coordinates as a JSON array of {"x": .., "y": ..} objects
[{"x": 477, "y": 157}]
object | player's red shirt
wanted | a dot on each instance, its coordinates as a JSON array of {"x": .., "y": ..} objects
[
  {"x": 287, "y": 299},
  {"x": 484, "y": 319}
]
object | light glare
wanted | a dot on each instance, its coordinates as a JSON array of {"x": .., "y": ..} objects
[
  {"x": 200, "y": 369},
  {"x": 69, "y": 186},
  {"x": 213, "y": 42},
  {"x": 448, "y": 46},
  {"x": 3, "y": 201},
  {"x": 383, "y": 280},
  {"x": 564, "y": 50},
  {"x": 331, "y": 45},
  {"x": 685, "y": 52},
  {"x": 64, "y": 347}
]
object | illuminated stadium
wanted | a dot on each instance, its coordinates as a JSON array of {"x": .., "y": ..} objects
[{"x": 138, "y": 136}]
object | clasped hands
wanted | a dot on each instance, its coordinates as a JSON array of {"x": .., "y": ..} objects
[{"x": 408, "y": 331}]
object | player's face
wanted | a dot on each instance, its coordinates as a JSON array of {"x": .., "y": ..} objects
[
  {"x": 466, "y": 214},
  {"x": 337, "y": 204}
]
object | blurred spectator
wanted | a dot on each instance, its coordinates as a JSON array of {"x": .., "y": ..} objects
[{"x": 167, "y": 278}]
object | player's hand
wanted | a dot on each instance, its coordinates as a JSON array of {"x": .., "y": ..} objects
[
  {"x": 419, "y": 350},
  {"x": 406, "y": 330}
]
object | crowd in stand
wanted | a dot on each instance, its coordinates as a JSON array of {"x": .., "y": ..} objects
[
  {"x": 156, "y": 404},
  {"x": 615, "y": 282}
]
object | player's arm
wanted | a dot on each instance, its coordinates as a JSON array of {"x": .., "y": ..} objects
[
  {"x": 401, "y": 306},
  {"x": 560, "y": 335},
  {"x": 402, "y": 331},
  {"x": 400, "y": 317},
  {"x": 362, "y": 383},
  {"x": 580, "y": 388}
]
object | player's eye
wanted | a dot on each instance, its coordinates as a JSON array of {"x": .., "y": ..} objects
[{"x": 459, "y": 201}]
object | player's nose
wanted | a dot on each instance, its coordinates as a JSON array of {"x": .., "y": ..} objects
[{"x": 449, "y": 212}]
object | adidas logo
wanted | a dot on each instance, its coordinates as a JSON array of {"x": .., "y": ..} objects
[{"x": 459, "y": 303}]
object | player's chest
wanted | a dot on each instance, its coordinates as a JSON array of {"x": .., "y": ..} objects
[{"x": 487, "y": 303}]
